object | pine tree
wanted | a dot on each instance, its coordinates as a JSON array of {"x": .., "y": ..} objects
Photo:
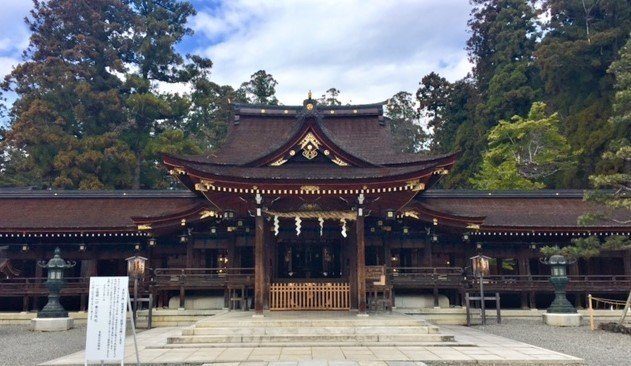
[{"x": 523, "y": 152}]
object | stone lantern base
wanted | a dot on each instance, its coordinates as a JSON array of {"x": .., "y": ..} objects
[
  {"x": 562, "y": 320},
  {"x": 51, "y": 324}
]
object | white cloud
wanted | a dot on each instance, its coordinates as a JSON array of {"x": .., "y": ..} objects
[
  {"x": 6, "y": 65},
  {"x": 368, "y": 49},
  {"x": 14, "y": 33}
]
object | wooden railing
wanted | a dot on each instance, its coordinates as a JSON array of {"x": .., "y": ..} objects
[
  {"x": 443, "y": 277},
  {"x": 200, "y": 278},
  {"x": 309, "y": 296}
]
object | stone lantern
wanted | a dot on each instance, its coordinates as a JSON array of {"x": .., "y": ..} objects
[
  {"x": 561, "y": 312},
  {"x": 53, "y": 316}
]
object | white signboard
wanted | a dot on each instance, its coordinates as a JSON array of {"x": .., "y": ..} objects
[{"x": 107, "y": 310}]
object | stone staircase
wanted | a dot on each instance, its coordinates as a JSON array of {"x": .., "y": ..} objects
[{"x": 309, "y": 329}]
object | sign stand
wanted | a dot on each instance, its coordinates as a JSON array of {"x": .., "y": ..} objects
[
  {"x": 133, "y": 330},
  {"x": 109, "y": 307}
]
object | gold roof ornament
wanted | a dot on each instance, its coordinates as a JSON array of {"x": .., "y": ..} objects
[{"x": 309, "y": 95}]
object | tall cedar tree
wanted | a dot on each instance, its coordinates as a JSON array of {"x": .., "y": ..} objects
[
  {"x": 449, "y": 109},
  {"x": 405, "y": 125},
  {"x": 160, "y": 25},
  {"x": 260, "y": 89},
  {"x": 582, "y": 40},
  {"x": 69, "y": 98},
  {"x": 330, "y": 97},
  {"x": 505, "y": 83}
]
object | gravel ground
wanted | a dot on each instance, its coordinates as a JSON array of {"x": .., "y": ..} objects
[
  {"x": 21, "y": 347},
  {"x": 598, "y": 348}
]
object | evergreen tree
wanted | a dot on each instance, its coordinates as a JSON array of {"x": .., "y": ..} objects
[
  {"x": 582, "y": 40},
  {"x": 505, "y": 81},
  {"x": 524, "y": 151},
  {"x": 405, "y": 125},
  {"x": 330, "y": 97},
  {"x": 69, "y": 98},
  {"x": 159, "y": 26},
  {"x": 261, "y": 89},
  {"x": 618, "y": 154}
]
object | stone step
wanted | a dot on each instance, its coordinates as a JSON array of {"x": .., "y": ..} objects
[
  {"x": 309, "y": 330},
  {"x": 312, "y": 338},
  {"x": 318, "y": 323},
  {"x": 310, "y": 344}
]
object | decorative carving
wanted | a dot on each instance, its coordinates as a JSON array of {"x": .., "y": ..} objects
[
  {"x": 339, "y": 161},
  {"x": 416, "y": 185},
  {"x": 279, "y": 162},
  {"x": 204, "y": 185},
  {"x": 441, "y": 171},
  {"x": 473, "y": 226},
  {"x": 144, "y": 227},
  {"x": 310, "y": 189},
  {"x": 177, "y": 171},
  {"x": 207, "y": 213},
  {"x": 310, "y": 146},
  {"x": 412, "y": 214}
]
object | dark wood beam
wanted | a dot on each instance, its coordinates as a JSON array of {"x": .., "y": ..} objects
[
  {"x": 361, "y": 260},
  {"x": 259, "y": 259}
]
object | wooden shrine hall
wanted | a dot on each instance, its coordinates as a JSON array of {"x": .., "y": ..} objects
[{"x": 303, "y": 208}]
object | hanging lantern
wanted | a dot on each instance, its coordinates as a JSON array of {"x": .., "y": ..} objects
[
  {"x": 25, "y": 247},
  {"x": 465, "y": 237},
  {"x": 406, "y": 230},
  {"x": 183, "y": 237},
  {"x": 136, "y": 266},
  {"x": 152, "y": 242},
  {"x": 434, "y": 238},
  {"x": 82, "y": 247},
  {"x": 390, "y": 214},
  {"x": 213, "y": 230},
  {"x": 137, "y": 247},
  {"x": 229, "y": 215},
  {"x": 239, "y": 223}
]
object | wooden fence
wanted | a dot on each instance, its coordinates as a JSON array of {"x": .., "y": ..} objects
[{"x": 310, "y": 296}]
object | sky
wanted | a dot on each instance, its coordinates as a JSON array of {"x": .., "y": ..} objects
[{"x": 368, "y": 49}]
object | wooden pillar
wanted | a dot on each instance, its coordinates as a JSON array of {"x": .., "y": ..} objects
[
  {"x": 524, "y": 270},
  {"x": 189, "y": 254},
  {"x": 427, "y": 251},
  {"x": 361, "y": 258},
  {"x": 259, "y": 260},
  {"x": 626, "y": 258}
]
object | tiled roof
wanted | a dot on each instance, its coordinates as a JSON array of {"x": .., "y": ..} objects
[
  {"x": 554, "y": 209},
  {"x": 311, "y": 172},
  {"x": 73, "y": 211}
]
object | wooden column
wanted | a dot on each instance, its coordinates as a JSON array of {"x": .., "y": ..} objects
[
  {"x": 626, "y": 258},
  {"x": 259, "y": 259},
  {"x": 361, "y": 258},
  {"x": 189, "y": 253},
  {"x": 524, "y": 270}
]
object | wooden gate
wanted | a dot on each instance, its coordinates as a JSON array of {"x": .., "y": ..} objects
[{"x": 310, "y": 296}]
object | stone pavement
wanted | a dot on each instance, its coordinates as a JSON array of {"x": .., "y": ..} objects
[{"x": 477, "y": 348}]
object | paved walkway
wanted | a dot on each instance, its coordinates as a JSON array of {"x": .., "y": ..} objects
[{"x": 489, "y": 349}]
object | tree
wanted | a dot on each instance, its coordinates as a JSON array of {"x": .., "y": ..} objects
[
  {"x": 406, "y": 129},
  {"x": 69, "y": 96},
  {"x": 159, "y": 26},
  {"x": 616, "y": 200},
  {"x": 504, "y": 83},
  {"x": 261, "y": 89},
  {"x": 330, "y": 98},
  {"x": 582, "y": 39},
  {"x": 523, "y": 151}
]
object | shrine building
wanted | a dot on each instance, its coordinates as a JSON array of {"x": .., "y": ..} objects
[{"x": 305, "y": 208}]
